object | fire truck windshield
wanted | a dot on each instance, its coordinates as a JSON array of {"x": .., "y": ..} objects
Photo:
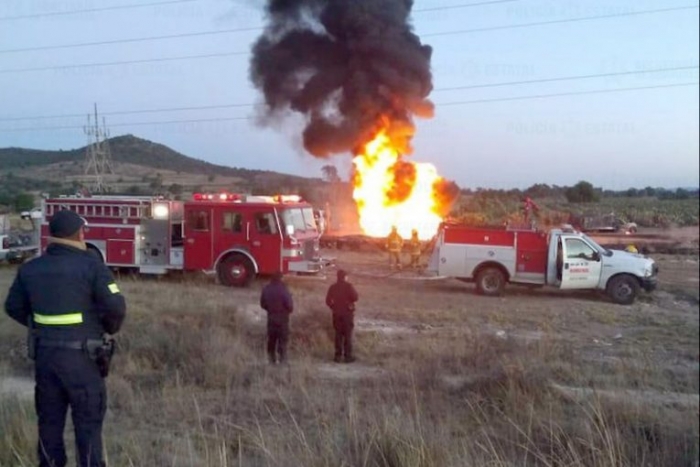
[
  {"x": 309, "y": 219},
  {"x": 302, "y": 219},
  {"x": 294, "y": 217}
]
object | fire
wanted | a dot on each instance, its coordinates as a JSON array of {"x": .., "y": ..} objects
[{"x": 390, "y": 191}]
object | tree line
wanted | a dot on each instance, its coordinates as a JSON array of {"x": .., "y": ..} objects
[{"x": 583, "y": 192}]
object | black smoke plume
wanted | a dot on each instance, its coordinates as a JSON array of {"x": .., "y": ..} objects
[{"x": 350, "y": 67}]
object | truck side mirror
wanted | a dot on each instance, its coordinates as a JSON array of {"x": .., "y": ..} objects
[{"x": 290, "y": 230}]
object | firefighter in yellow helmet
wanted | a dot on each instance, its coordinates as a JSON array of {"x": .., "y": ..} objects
[
  {"x": 631, "y": 249},
  {"x": 394, "y": 243},
  {"x": 416, "y": 249}
]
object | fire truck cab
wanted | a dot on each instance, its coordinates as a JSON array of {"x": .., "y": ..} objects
[
  {"x": 562, "y": 258},
  {"x": 235, "y": 236}
]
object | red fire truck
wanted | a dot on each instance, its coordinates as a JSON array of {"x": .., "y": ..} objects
[
  {"x": 235, "y": 236},
  {"x": 562, "y": 258}
]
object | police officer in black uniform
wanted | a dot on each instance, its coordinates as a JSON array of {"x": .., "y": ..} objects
[
  {"x": 341, "y": 298},
  {"x": 69, "y": 300}
]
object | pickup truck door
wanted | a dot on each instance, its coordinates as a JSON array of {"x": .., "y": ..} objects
[{"x": 580, "y": 262}]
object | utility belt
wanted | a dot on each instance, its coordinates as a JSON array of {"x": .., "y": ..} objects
[{"x": 100, "y": 351}]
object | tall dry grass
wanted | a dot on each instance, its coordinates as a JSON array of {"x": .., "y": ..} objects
[{"x": 190, "y": 387}]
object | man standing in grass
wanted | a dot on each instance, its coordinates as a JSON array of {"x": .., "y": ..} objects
[
  {"x": 394, "y": 243},
  {"x": 69, "y": 300},
  {"x": 277, "y": 301},
  {"x": 416, "y": 249},
  {"x": 341, "y": 298}
]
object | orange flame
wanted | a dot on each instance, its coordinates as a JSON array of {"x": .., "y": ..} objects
[{"x": 390, "y": 191}]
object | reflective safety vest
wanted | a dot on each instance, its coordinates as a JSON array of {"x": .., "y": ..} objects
[
  {"x": 416, "y": 247},
  {"x": 394, "y": 242},
  {"x": 59, "y": 320}
]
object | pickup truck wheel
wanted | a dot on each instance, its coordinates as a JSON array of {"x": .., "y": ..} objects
[
  {"x": 236, "y": 271},
  {"x": 490, "y": 282},
  {"x": 14, "y": 260},
  {"x": 623, "y": 289}
]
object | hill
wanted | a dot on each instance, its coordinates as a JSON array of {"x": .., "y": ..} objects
[
  {"x": 140, "y": 167},
  {"x": 126, "y": 149}
]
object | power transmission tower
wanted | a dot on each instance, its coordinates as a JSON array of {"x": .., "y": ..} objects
[{"x": 98, "y": 161}]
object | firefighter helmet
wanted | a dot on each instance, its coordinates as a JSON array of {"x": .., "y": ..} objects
[{"x": 631, "y": 249}]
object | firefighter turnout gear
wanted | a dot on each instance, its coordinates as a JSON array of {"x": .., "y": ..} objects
[
  {"x": 529, "y": 206},
  {"x": 276, "y": 300},
  {"x": 341, "y": 299},
  {"x": 394, "y": 243},
  {"x": 416, "y": 249},
  {"x": 69, "y": 300}
]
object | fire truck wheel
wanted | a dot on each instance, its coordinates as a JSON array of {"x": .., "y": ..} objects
[
  {"x": 490, "y": 281},
  {"x": 623, "y": 289},
  {"x": 236, "y": 271}
]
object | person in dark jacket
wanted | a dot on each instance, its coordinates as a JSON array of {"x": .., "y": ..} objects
[
  {"x": 341, "y": 299},
  {"x": 277, "y": 301},
  {"x": 69, "y": 300}
]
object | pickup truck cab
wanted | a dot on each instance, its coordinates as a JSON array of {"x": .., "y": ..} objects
[{"x": 560, "y": 258}]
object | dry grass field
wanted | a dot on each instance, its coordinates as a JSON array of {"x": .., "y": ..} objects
[{"x": 444, "y": 377}]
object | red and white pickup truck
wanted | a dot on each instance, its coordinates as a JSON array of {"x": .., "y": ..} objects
[{"x": 561, "y": 258}]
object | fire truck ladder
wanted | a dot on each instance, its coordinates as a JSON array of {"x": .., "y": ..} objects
[{"x": 103, "y": 209}]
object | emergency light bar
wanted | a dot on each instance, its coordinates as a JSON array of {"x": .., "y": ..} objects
[
  {"x": 217, "y": 197},
  {"x": 243, "y": 198},
  {"x": 288, "y": 198}
]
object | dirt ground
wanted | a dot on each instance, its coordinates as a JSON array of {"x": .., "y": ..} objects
[
  {"x": 408, "y": 327},
  {"x": 657, "y": 334},
  {"x": 656, "y": 338}
]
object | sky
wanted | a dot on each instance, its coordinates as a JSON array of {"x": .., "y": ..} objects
[{"x": 616, "y": 140}]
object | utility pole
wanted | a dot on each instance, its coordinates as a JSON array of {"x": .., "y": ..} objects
[{"x": 98, "y": 161}]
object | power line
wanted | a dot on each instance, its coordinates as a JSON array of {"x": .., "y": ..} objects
[
  {"x": 259, "y": 28},
  {"x": 166, "y": 122},
  {"x": 440, "y": 104},
  {"x": 474, "y": 86},
  {"x": 464, "y": 5},
  {"x": 131, "y": 40},
  {"x": 191, "y": 57},
  {"x": 129, "y": 112},
  {"x": 562, "y": 94},
  {"x": 169, "y": 2},
  {"x": 559, "y": 21},
  {"x": 94, "y": 10},
  {"x": 122, "y": 62},
  {"x": 567, "y": 78}
]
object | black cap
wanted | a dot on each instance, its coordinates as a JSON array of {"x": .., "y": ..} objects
[{"x": 65, "y": 224}]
